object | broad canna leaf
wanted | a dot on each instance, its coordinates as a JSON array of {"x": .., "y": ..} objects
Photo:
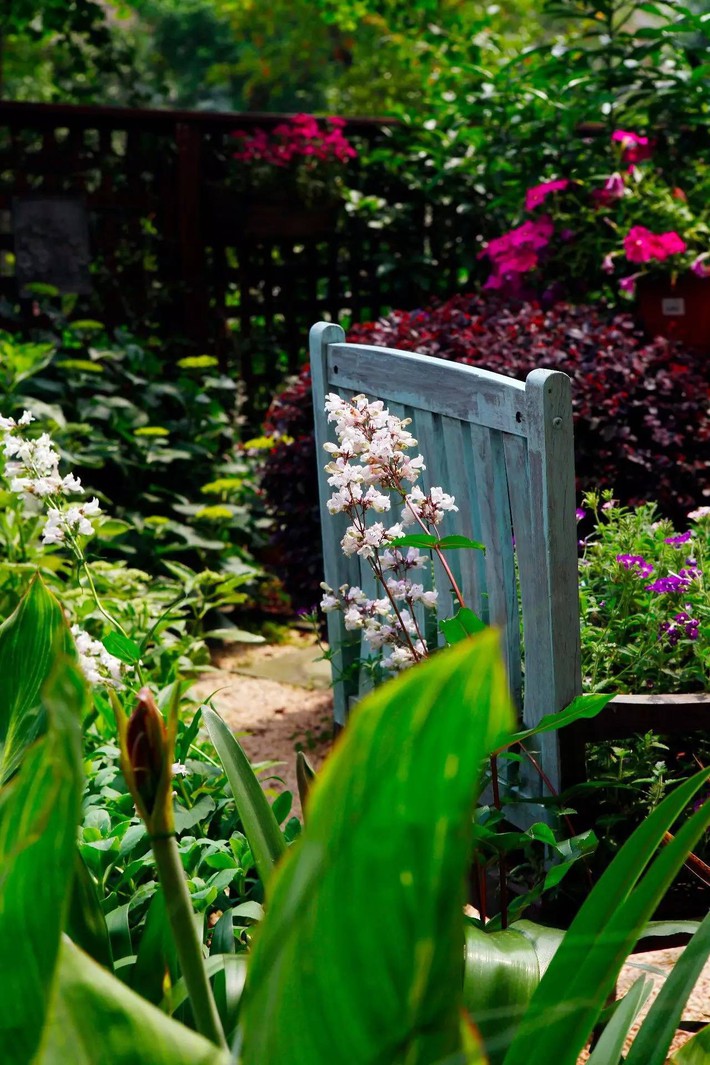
[
  {"x": 501, "y": 971},
  {"x": 695, "y": 1052},
  {"x": 29, "y": 641},
  {"x": 359, "y": 958},
  {"x": 39, "y": 812},
  {"x": 86, "y": 923},
  {"x": 94, "y": 1019},
  {"x": 260, "y": 826}
]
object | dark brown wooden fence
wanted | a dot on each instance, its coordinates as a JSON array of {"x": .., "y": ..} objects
[{"x": 172, "y": 251}]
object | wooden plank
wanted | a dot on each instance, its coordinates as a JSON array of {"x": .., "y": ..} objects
[
  {"x": 464, "y": 392},
  {"x": 338, "y": 569},
  {"x": 627, "y": 715},
  {"x": 551, "y": 604},
  {"x": 497, "y": 535}
]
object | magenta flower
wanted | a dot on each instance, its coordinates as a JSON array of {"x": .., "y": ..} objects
[
  {"x": 699, "y": 266},
  {"x": 637, "y": 563},
  {"x": 515, "y": 253},
  {"x": 608, "y": 264},
  {"x": 642, "y": 246},
  {"x": 628, "y": 284},
  {"x": 634, "y": 147},
  {"x": 614, "y": 189},
  {"x": 539, "y": 193}
]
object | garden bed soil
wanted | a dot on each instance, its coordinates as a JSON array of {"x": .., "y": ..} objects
[{"x": 276, "y": 698}]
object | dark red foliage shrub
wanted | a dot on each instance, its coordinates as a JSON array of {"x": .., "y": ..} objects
[{"x": 642, "y": 425}]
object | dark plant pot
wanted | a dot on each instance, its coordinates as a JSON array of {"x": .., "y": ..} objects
[
  {"x": 238, "y": 215},
  {"x": 679, "y": 311}
]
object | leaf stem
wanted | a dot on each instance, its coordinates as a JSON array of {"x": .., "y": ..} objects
[{"x": 187, "y": 943}]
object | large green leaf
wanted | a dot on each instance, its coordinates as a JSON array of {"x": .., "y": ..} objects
[
  {"x": 94, "y": 1019},
  {"x": 695, "y": 1052},
  {"x": 571, "y": 995},
  {"x": 28, "y": 643},
  {"x": 260, "y": 826},
  {"x": 359, "y": 959},
  {"x": 86, "y": 923},
  {"x": 39, "y": 811},
  {"x": 501, "y": 972}
]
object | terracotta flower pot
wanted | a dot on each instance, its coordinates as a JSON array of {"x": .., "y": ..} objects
[{"x": 679, "y": 311}]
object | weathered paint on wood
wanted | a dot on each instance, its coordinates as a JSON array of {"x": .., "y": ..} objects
[{"x": 504, "y": 449}]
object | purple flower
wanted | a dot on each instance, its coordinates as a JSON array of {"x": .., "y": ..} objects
[
  {"x": 681, "y": 623},
  {"x": 675, "y": 582},
  {"x": 580, "y": 513},
  {"x": 636, "y": 562},
  {"x": 680, "y": 538}
]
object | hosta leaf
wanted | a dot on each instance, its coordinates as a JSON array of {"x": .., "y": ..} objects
[
  {"x": 332, "y": 978},
  {"x": 39, "y": 812},
  {"x": 28, "y": 643}
]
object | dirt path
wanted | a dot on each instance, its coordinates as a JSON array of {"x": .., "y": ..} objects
[{"x": 276, "y": 699}]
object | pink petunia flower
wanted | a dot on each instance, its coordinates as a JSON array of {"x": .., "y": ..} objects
[
  {"x": 614, "y": 189},
  {"x": 699, "y": 265},
  {"x": 628, "y": 284},
  {"x": 539, "y": 193},
  {"x": 635, "y": 148},
  {"x": 642, "y": 246}
]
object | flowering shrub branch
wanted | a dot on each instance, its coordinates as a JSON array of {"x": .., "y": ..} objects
[{"x": 368, "y": 464}]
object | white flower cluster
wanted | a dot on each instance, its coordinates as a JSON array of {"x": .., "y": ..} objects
[
  {"x": 369, "y": 461},
  {"x": 97, "y": 665},
  {"x": 32, "y": 469}
]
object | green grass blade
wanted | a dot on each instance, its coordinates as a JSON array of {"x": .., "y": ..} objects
[
  {"x": 572, "y": 993},
  {"x": 39, "y": 812},
  {"x": 260, "y": 826},
  {"x": 96, "y": 1020},
  {"x": 359, "y": 958},
  {"x": 28, "y": 644},
  {"x": 611, "y": 1043},
  {"x": 651, "y": 1044}
]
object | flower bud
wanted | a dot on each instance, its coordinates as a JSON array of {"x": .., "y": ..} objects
[{"x": 146, "y": 748}]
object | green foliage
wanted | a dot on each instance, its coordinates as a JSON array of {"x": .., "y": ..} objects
[
  {"x": 29, "y": 641},
  {"x": 39, "y": 810},
  {"x": 94, "y": 1019},
  {"x": 400, "y": 931}
]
